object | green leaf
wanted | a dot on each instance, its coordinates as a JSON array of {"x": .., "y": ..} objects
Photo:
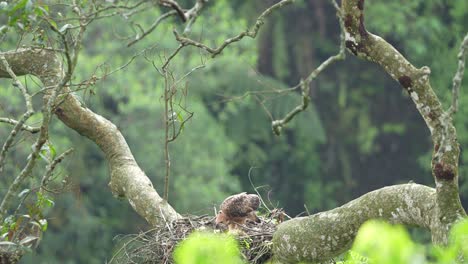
[
  {"x": 179, "y": 116},
  {"x": 49, "y": 202},
  {"x": 52, "y": 23},
  {"x": 21, "y": 5},
  {"x": 207, "y": 248},
  {"x": 386, "y": 244},
  {"x": 53, "y": 152},
  {"x": 44, "y": 224}
]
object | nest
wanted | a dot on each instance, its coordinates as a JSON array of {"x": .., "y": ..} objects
[{"x": 157, "y": 245}]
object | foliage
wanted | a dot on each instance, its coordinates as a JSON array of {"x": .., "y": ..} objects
[
  {"x": 208, "y": 248},
  {"x": 380, "y": 242},
  {"x": 376, "y": 242}
]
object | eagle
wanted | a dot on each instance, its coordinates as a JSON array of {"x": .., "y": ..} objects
[{"x": 237, "y": 209}]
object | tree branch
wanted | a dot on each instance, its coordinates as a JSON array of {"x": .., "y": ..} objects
[
  {"x": 277, "y": 125},
  {"x": 457, "y": 79},
  {"x": 10, "y": 121},
  {"x": 252, "y": 33},
  {"x": 152, "y": 28},
  {"x": 11, "y": 138},
  {"x": 327, "y": 234},
  {"x": 416, "y": 82},
  {"x": 52, "y": 165},
  {"x": 126, "y": 177}
]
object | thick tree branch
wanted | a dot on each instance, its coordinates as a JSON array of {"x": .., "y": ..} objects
[
  {"x": 327, "y": 234},
  {"x": 127, "y": 179},
  {"x": 416, "y": 81}
]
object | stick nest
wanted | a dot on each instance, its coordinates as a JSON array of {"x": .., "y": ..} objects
[{"x": 157, "y": 245}]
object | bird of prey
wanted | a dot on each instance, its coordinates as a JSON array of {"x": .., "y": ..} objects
[{"x": 237, "y": 209}]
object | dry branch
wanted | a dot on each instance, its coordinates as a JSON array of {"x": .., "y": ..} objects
[
  {"x": 457, "y": 79},
  {"x": 252, "y": 33}
]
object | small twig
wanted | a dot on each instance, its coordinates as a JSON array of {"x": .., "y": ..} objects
[
  {"x": 255, "y": 189},
  {"x": 11, "y": 138},
  {"x": 166, "y": 63},
  {"x": 19, "y": 125},
  {"x": 152, "y": 28},
  {"x": 18, "y": 84},
  {"x": 165, "y": 221},
  {"x": 52, "y": 165},
  {"x": 24, "y": 127},
  {"x": 277, "y": 125},
  {"x": 457, "y": 79},
  {"x": 307, "y": 209},
  {"x": 167, "y": 158},
  {"x": 124, "y": 246},
  {"x": 252, "y": 33},
  {"x": 189, "y": 73}
]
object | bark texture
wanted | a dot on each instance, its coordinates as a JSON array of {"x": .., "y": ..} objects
[
  {"x": 324, "y": 235},
  {"x": 327, "y": 234},
  {"x": 439, "y": 121},
  {"x": 126, "y": 177}
]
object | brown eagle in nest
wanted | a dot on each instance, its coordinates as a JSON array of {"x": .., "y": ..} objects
[{"x": 237, "y": 209}]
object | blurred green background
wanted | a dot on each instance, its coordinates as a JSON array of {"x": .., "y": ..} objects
[{"x": 361, "y": 131}]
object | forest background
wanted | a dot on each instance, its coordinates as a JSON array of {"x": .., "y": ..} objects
[{"x": 361, "y": 131}]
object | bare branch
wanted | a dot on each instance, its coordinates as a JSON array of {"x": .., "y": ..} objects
[
  {"x": 27, "y": 170},
  {"x": 457, "y": 79},
  {"x": 24, "y": 127},
  {"x": 152, "y": 28},
  {"x": 192, "y": 14},
  {"x": 174, "y": 5},
  {"x": 277, "y": 125},
  {"x": 252, "y": 33},
  {"x": 167, "y": 158},
  {"x": 52, "y": 165},
  {"x": 18, "y": 85},
  {"x": 11, "y": 138},
  {"x": 166, "y": 63}
]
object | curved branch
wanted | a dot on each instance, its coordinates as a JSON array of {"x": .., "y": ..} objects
[
  {"x": 252, "y": 33},
  {"x": 446, "y": 153},
  {"x": 126, "y": 177},
  {"x": 327, "y": 234}
]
